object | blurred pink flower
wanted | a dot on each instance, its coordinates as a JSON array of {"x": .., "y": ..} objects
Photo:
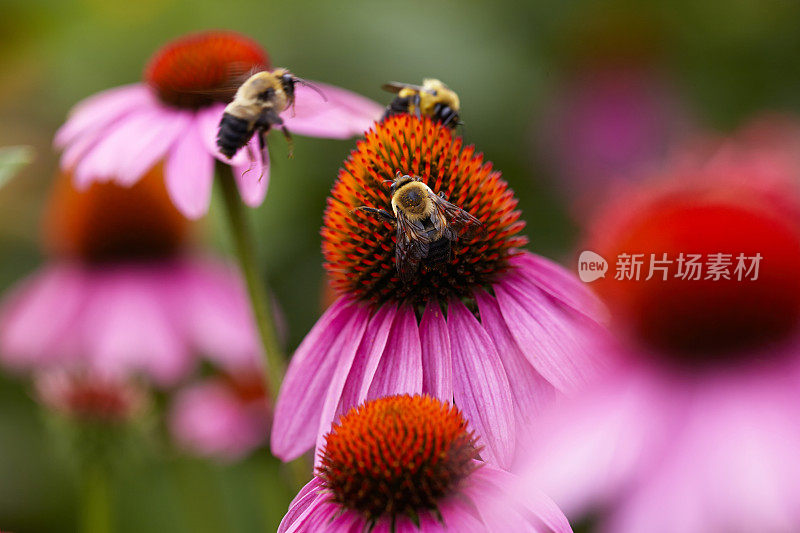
[
  {"x": 121, "y": 296},
  {"x": 427, "y": 473},
  {"x": 606, "y": 127},
  {"x": 699, "y": 430},
  {"x": 222, "y": 417},
  {"x": 90, "y": 396},
  {"x": 517, "y": 329},
  {"x": 119, "y": 134}
]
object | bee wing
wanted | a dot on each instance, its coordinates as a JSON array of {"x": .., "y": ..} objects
[
  {"x": 395, "y": 87},
  {"x": 451, "y": 220},
  {"x": 412, "y": 246},
  {"x": 235, "y": 75}
]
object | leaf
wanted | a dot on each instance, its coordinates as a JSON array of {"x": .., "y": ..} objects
[{"x": 12, "y": 159}]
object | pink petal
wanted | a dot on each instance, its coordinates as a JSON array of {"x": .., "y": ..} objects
[
  {"x": 345, "y": 356},
  {"x": 481, "y": 388},
  {"x": 297, "y": 413},
  {"x": 97, "y": 112},
  {"x": 151, "y": 145},
  {"x": 315, "y": 516},
  {"x": 340, "y": 114},
  {"x": 39, "y": 315},
  {"x": 367, "y": 358},
  {"x": 400, "y": 367},
  {"x": 208, "y": 120},
  {"x": 531, "y": 392},
  {"x": 102, "y": 161},
  {"x": 150, "y": 343},
  {"x": 252, "y": 177},
  {"x": 437, "y": 363},
  {"x": 189, "y": 174},
  {"x": 559, "y": 283},
  {"x": 590, "y": 448},
  {"x": 209, "y": 419},
  {"x": 217, "y": 317},
  {"x": 501, "y": 490},
  {"x": 301, "y": 502},
  {"x": 563, "y": 346},
  {"x": 458, "y": 515}
]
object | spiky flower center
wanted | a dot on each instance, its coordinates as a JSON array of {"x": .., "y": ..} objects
[
  {"x": 397, "y": 455},
  {"x": 109, "y": 222},
  {"x": 202, "y": 68},
  {"x": 701, "y": 316},
  {"x": 359, "y": 248}
]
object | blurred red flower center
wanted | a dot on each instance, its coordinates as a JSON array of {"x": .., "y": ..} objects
[
  {"x": 359, "y": 248},
  {"x": 397, "y": 455},
  {"x": 108, "y": 222},
  {"x": 712, "y": 317},
  {"x": 200, "y": 69}
]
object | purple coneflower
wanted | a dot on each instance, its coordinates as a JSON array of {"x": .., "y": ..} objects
[
  {"x": 497, "y": 329},
  {"x": 173, "y": 115},
  {"x": 224, "y": 417},
  {"x": 699, "y": 429},
  {"x": 121, "y": 295},
  {"x": 409, "y": 463}
]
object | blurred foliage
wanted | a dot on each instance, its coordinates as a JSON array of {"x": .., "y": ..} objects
[
  {"x": 506, "y": 59},
  {"x": 12, "y": 159}
]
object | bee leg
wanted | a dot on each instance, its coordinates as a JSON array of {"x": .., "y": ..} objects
[
  {"x": 416, "y": 105},
  {"x": 251, "y": 157},
  {"x": 289, "y": 140},
  {"x": 262, "y": 145},
  {"x": 380, "y": 213},
  {"x": 442, "y": 195}
]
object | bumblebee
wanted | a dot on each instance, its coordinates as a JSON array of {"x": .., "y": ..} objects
[
  {"x": 255, "y": 109},
  {"x": 427, "y": 225},
  {"x": 432, "y": 99}
]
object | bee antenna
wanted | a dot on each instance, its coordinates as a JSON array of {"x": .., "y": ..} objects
[{"x": 310, "y": 85}]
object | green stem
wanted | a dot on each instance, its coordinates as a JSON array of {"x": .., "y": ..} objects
[
  {"x": 275, "y": 362},
  {"x": 96, "y": 502}
]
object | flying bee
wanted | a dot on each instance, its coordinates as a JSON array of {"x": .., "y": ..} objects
[
  {"x": 432, "y": 99},
  {"x": 256, "y": 108},
  {"x": 427, "y": 225}
]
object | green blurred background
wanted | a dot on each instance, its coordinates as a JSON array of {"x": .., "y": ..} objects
[{"x": 507, "y": 59}]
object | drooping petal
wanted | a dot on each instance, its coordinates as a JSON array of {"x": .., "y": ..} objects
[
  {"x": 217, "y": 317},
  {"x": 590, "y": 448},
  {"x": 297, "y": 412},
  {"x": 558, "y": 283},
  {"x": 314, "y": 517},
  {"x": 337, "y": 382},
  {"x": 531, "y": 391},
  {"x": 189, "y": 174},
  {"x": 301, "y": 502},
  {"x": 400, "y": 368},
  {"x": 480, "y": 385},
  {"x": 151, "y": 144},
  {"x": 565, "y": 347},
  {"x": 95, "y": 113},
  {"x": 437, "y": 361},
  {"x": 119, "y": 344},
  {"x": 208, "y": 120},
  {"x": 252, "y": 176},
  {"x": 100, "y": 163},
  {"x": 39, "y": 315},
  {"x": 458, "y": 515},
  {"x": 732, "y": 466},
  {"x": 497, "y": 494},
  {"x": 367, "y": 358},
  {"x": 339, "y": 114}
]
